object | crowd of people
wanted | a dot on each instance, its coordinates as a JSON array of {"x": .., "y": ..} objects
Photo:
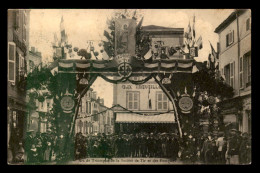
[
  {"x": 40, "y": 148},
  {"x": 231, "y": 148}
]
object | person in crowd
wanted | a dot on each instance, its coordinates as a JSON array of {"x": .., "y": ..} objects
[
  {"x": 143, "y": 145},
  {"x": 47, "y": 152},
  {"x": 233, "y": 147},
  {"x": 38, "y": 145},
  {"x": 33, "y": 154},
  {"x": 28, "y": 144},
  {"x": 214, "y": 152},
  {"x": 220, "y": 144},
  {"x": 19, "y": 158},
  {"x": 204, "y": 148},
  {"x": 245, "y": 148},
  {"x": 175, "y": 148},
  {"x": 164, "y": 143}
]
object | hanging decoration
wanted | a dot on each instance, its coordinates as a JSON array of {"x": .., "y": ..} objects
[{"x": 67, "y": 102}]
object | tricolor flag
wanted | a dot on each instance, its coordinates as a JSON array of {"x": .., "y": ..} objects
[
  {"x": 213, "y": 52},
  {"x": 193, "y": 32},
  {"x": 149, "y": 99},
  {"x": 199, "y": 43},
  {"x": 140, "y": 23},
  {"x": 62, "y": 31}
]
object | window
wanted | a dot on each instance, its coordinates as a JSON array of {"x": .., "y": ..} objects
[
  {"x": 21, "y": 67},
  {"x": 132, "y": 100},
  {"x": 16, "y": 20},
  {"x": 241, "y": 73},
  {"x": 230, "y": 38},
  {"x": 11, "y": 61},
  {"x": 248, "y": 24},
  {"x": 162, "y": 101},
  {"x": 232, "y": 72},
  {"x": 227, "y": 73},
  {"x": 24, "y": 19},
  {"x": 87, "y": 111},
  {"x": 247, "y": 69}
]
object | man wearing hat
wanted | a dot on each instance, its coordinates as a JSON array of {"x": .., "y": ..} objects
[
  {"x": 28, "y": 144},
  {"x": 245, "y": 149},
  {"x": 233, "y": 148}
]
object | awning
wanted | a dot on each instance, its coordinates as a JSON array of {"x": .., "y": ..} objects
[{"x": 136, "y": 118}]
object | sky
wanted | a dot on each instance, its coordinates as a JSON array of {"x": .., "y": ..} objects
[{"x": 82, "y": 25}]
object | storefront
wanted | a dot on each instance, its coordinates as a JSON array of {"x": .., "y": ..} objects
[{"x": 136, "y": 123}]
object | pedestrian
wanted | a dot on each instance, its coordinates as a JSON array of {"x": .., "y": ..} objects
[
  {"x": 233, "y": 148},
  {"x": 244, "y": 149},
  {"x": 38, "y": 145},
  {"x": 220, "y": 144},
  {"x": 175, "y": 147},
  {"x": 28, "y": 144},
  {"x": 33, "y": 154}
]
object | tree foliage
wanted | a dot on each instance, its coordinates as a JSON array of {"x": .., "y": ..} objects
[{"x": 206, "y": 80}]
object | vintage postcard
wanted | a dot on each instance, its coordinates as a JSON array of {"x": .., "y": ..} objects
[{"x": 129, "y": 86}]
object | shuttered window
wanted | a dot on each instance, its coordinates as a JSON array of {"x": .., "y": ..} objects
[
  {"x": 247, "y": 69},
  {"x": 24, "y": 19},
  {"x": 162, "y": 101},
  {"x": 241, "y": 84},
  {"x": 232, "y": 74},
  {"x": 133, "y": 100},
  {"x": 11, "y": 61},
  {"x": 229, "y": 38}
]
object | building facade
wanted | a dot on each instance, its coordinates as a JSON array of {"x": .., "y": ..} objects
[
  {"x": 18, "y": 43},
  {"x": 34, "y": 59},
  {"x": 235, "y": 65},
  {"x": 145, "y": 107},
  {"x": 94, "y": 117}
]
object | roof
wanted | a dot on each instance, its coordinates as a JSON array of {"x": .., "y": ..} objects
[
  {"x": 154, "y": 28},
  {"x": 136, "y": 118},
  {"x": 229, "y": 20}
]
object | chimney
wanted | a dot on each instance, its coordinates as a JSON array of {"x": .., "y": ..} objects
[
  {"x": 33, "y": 49},
  {"x": 102, "y": 102}
]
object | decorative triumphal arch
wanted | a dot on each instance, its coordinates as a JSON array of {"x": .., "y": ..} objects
[{"x": 76, "y": 77}]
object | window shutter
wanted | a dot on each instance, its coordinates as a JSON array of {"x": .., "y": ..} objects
[
  {"x": 227, "y": 40},
  {"x": 11, "y": 62},
  {"x": 233, "y": 36},
  {"x": 245, "y": 69}
]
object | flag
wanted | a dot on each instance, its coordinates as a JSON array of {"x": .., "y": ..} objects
[
  {"x": 62, "y": 31},
  {"x": 104, "y": 55},
  {"x": 189, "y": 32},
  {"x": 193, "y": 31},
  {"x": 149, "y": 99},
  {"x": 55, "y": 43},
  {"x": 199, "y": 43},
  {"x": 148, "y": 54},
  {"x": 140, "y": 23},
  {"x": 213, "y": 52}
]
